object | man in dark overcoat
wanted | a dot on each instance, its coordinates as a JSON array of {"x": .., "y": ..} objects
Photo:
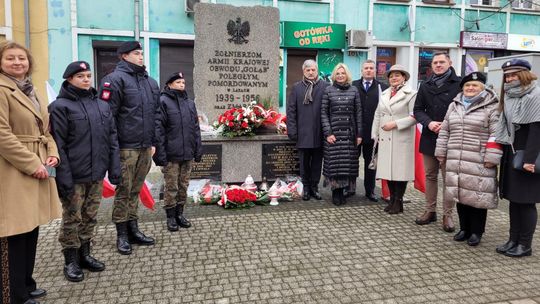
[
  {"x": 432, "y": 101},
  {"x": 369, "y": 89},
  {"x": 304, "y": 126}
]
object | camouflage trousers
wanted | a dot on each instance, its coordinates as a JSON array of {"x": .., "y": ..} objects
[
  {"x": 135, "y": 165},
  {"x": 176, "y": 176},
  {"x": 79, "y": 214}
]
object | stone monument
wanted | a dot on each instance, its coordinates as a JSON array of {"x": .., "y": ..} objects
[
  {"x": 236, "y": 57},
  {"x": 236, "y": 62}
]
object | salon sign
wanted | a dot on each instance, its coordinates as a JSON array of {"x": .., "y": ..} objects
[
  {"x": 525, "y": 43},
  {"x": 312, "y": 35}
]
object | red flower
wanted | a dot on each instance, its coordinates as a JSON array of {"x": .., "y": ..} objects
[
  {"x": 231, "y": 124},
  {"x": 244, "y": 125}
]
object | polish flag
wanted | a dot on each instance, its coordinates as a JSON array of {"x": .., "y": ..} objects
[
  {"x": 145, "y": 195},
  {"x": 419, "y": 173}
]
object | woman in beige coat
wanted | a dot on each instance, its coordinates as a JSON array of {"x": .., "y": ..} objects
[
  {"x": 466, "y": 145},
  {"x": 28, "y": 196},
  {"x": 393, "y": 131}
]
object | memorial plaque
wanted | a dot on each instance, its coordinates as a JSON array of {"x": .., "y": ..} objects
[
  {"x": 210, "y": 166},
  {"x": 236, "y": 57},
  {"x": 279, "y": 160}
]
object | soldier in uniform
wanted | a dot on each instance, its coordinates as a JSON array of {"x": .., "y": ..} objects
[
  {"x": 134, "y": 100},
  {"x": 85, "y": 134},
  {"x": 179, "y": 142}
]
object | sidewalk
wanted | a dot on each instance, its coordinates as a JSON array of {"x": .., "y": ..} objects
[{"x": 298, "y": 252}]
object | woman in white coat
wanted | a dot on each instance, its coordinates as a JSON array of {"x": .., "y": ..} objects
[{"x": 393, "y": 131}]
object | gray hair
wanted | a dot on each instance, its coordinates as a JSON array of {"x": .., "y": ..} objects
[
  {"x": 309, "y": 63},
  {"x": 368, "y": 61}
]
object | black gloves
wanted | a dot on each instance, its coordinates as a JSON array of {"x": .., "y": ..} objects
[{"x": 115, "y": 180}]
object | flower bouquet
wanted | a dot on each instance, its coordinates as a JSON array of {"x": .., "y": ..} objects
[
  {"x": 236, "y": 197},
  {"x": 287, "y": 191},
  {"x": 240, "y": 121},
  {"x": 262, "y": 198},
  {"x": 209, "y": 194}
]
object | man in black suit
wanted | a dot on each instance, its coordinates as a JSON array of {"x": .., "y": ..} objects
[{"x": 370, "y": 90}]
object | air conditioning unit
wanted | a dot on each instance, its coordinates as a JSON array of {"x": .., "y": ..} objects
[
  {"x": 359, "y": 39},
  {"x": 190, "y": 5}
]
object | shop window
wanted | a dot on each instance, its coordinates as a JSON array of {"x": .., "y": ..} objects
[
  {"x": 386, "y": 57},
  {"x": 524, "y": 4},
  {"x": 424, "y": 63},
  {"x": 477, "y": 60}
]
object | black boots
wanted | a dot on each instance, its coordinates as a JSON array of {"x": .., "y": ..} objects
[
  {"x": 88, "y": 261},
  {"x": 315, "y": 193},
  {"x": 519, "y": 251},
  {"x": 122, "y": 242},
  {"x": 135, "y": 236},
  {"x": 502, "y": 249},
  {"x": 396, "y": 206},
  {"x": 462, "y": 236},
  {"x": 72, "y": 269},
  {"x": 338, "y": 197},
  {"x": 180, "y": 219},
  {"x": 171, "y": 220}
]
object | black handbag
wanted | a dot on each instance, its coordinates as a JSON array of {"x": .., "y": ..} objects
[{"x": 517, "y": 161}]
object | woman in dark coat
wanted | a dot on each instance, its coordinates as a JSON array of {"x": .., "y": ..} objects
[
  {"x": 85, "y": 133},
  {"x": 179, "y": 143},
  {"x": 341, "y": 117},
  {"x": 519, "y": 129}
]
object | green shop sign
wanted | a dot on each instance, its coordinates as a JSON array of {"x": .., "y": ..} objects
[{"x": 312, "y": 35}]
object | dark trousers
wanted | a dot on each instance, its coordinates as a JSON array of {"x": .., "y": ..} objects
[
  {"x": 397, "y": 189},
  {"x": 17, "y": 266},
  {"x": 310, "y": 167},
  {"x": 366, "y": 150},
  {"x": 523, "y": 218},
  {"x": 472, "y": 220}
]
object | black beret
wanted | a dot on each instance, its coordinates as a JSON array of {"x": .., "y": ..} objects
[
  {"x": 75, "y": 67},
  {"x": 474, "y": 76},
  {"x": 174, "y": 76},
  {"x": 516, "y": 65},
  {"x": 128, "y": 46}
]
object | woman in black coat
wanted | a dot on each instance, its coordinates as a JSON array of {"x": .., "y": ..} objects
[
  {"x": 85, "y": 133},
  {"x": 519, "y": 129},
  {"x": 178, "y": 144},
  {"x": 341, "y": 117}
]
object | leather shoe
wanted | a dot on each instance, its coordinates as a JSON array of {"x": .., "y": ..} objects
[
  {"x": 426, "y": 218},
  {"x": 519, "y": 251},
  {"x": 461, "y": 236},
  {"x": 502, "y": 249},
  {"x": 448, "y": 224},
  {"x": 474, "y": 239},
  {"x": 306, "y": 196},
  {"x": 372, "y": 197},
  {"x": 38, "y": 293},
  {"x": 316, "y": 195}
]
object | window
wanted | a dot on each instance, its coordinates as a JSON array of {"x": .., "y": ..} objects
[
  {"x": 424, "y": 63},
  {"x": 485, "y": 2},
  {"x": 439, "y": 2},
  {"x": 386, "y": 57},
  {"x": 522, "y": 4}
]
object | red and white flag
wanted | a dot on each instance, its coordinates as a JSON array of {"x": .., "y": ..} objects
[
  {"x": 145, "y": 195},
  {"x": 419, "y": 173}
]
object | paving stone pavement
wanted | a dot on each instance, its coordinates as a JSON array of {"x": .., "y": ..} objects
[{"x": 298, "y": 252}]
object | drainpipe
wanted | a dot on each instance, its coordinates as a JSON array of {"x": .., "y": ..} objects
[
  {"x": 26, "y": 24},
  {"x": 136, "y": 19}
]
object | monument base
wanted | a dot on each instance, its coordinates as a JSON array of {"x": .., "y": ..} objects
[{"x": 231, "y": 160}]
